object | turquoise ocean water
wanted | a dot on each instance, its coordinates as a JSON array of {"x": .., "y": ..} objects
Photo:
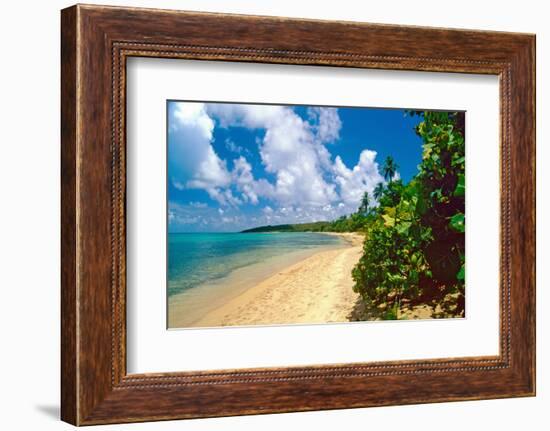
[{"x": 198, "y": 258}]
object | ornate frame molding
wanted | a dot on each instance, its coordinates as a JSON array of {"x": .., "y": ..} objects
[{"x": 96, "y": 41}]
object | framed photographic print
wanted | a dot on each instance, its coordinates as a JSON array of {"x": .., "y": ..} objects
[{"x": 265, "y": 214}]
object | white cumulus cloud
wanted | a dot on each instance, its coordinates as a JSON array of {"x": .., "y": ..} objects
[
  {"x": 244, "y": 181},
  {"x": 327, "y": 123},
  {"x": 290, "y": 150},
  {"x": 193, "y": 163},
  {"x": 307, "y": 182},
  {"x": 353, "y": 183}
]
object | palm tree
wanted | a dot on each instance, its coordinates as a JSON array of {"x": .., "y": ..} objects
[
  {"x": 389, "y": 169},
  {"x": 378, "y": 191},
  {"x": 364, "y": 207}
]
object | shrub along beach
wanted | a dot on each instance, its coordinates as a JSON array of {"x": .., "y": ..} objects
[
  {"x": 400, "y": 255},
  {"x": 413, "y": 262}
]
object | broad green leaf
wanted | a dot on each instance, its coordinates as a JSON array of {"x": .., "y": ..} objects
[
  {"x": 459, "y": 161},
  {"x": 461, "y": 275},
  {"x": 457, "y": 222},
  {"x": 403, "y": 227},
  {"x": 389, "y": 221},
  {"x": 390, "y": 211},
  {"x": 460, "y": 188}
]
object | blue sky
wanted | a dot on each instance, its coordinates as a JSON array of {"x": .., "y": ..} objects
[{"x": 236, "y": 166}]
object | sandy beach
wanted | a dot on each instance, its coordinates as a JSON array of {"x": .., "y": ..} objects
[{"x": 315, "y": 289}]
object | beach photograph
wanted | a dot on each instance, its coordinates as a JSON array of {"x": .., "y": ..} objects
[{"x": 297, "y": 214}]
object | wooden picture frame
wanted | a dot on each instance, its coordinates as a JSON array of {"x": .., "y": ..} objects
[{"x": 95, "y": 43}]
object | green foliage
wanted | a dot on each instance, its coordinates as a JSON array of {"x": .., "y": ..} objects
[
  {"x": 365, "y": 202},
  {"x": 393, "y": 263},
  {"x": 378, "y": 191},
  {"x": 414, "y": 246},
  {"x": 462, "y": 273},
  {"x": 389, "y": 169},
  {"x": 457, "y": 222},
  {"x": 460, "y": 187},
  {"x": 355, "y": 222}
]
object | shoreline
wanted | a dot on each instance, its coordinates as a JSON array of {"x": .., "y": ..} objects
[
  {"x": 300, "y": 287},
  {"x": 353, "y": 238}
]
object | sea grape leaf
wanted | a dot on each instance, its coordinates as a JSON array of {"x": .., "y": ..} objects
[
  {"x": 389, "y": 221},
  {"x": 460, "y": 188},
  {"x": 462, "y": 273},
  {"x": 458, "y": 161},
  {"x": 403, "y": 227},
  {"x": 457, "y": 222}
]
